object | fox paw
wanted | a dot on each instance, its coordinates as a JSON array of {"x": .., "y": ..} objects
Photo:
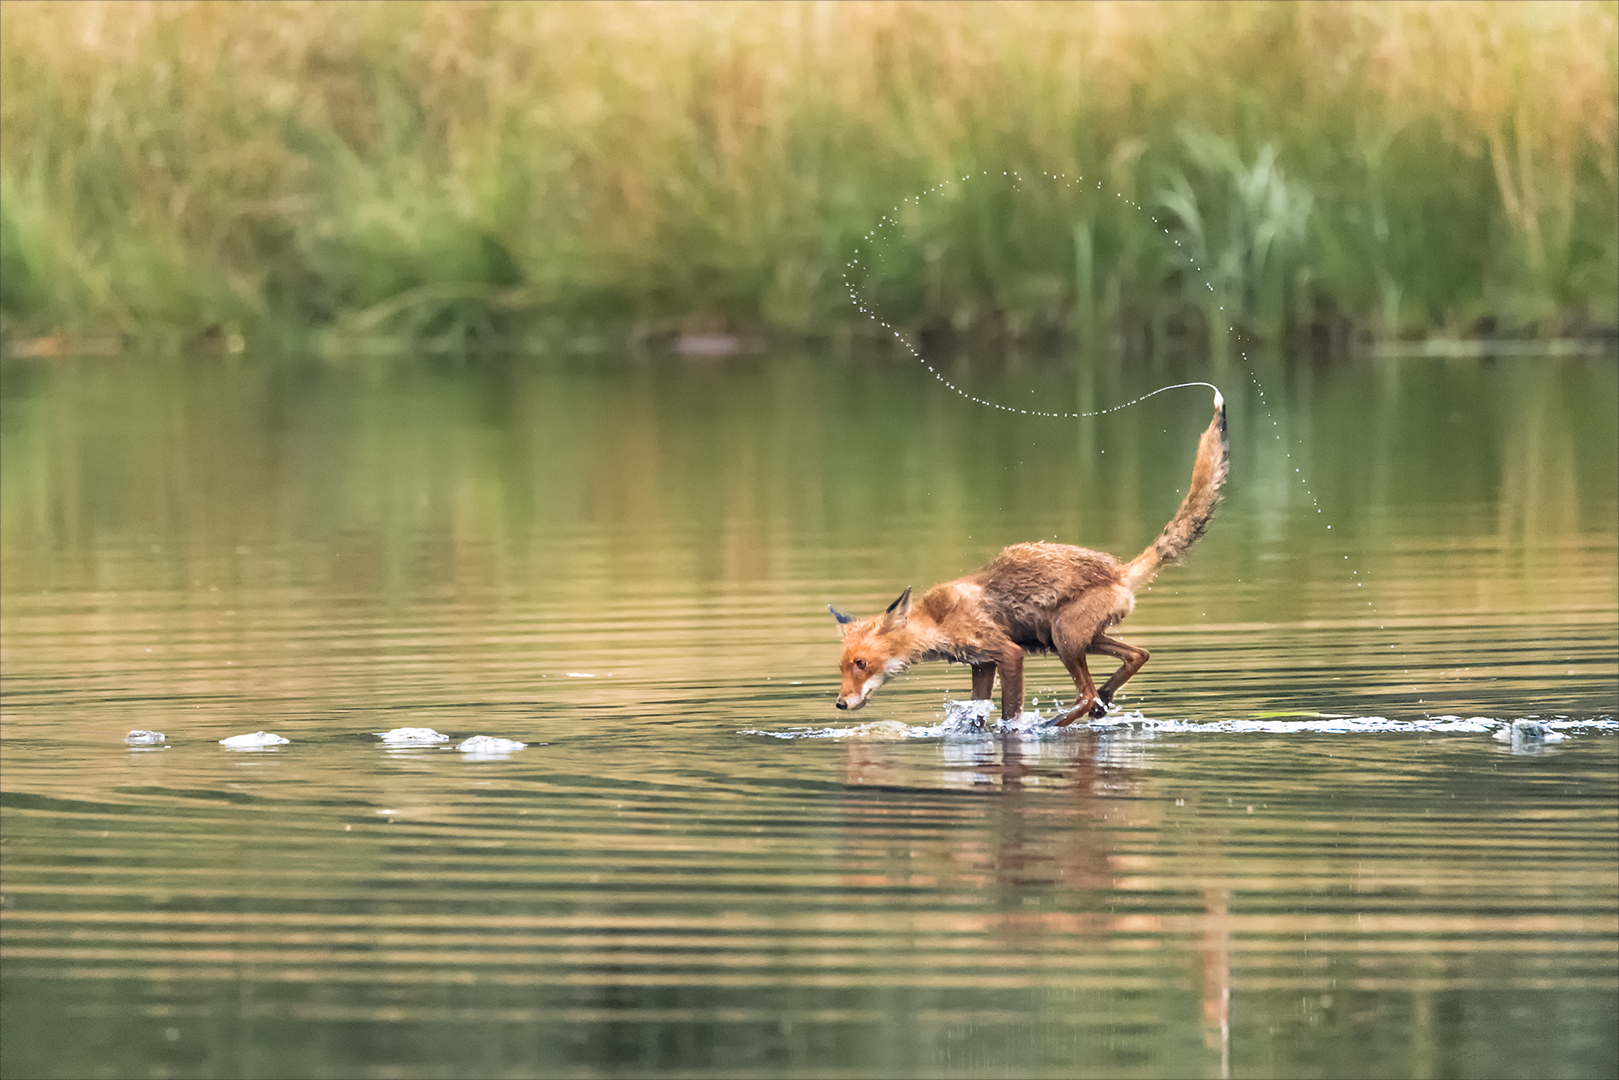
[{"x": 1094, "y": 710}]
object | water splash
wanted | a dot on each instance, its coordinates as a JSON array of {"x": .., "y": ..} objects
[{"x": 973, "y": 719}]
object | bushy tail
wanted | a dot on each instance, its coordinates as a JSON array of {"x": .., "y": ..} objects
[{"x": 1197, "y": 509}]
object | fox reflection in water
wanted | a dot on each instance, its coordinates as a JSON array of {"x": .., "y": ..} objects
[{"x": 1043, "y": 824}]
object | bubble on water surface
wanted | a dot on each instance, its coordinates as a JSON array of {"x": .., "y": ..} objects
[
  {"x": 258, "y": 740},
  {"x": 412, "y": 736},
  {"x": 489, "y": 745},
  {"x": 1529, "y": 735}
]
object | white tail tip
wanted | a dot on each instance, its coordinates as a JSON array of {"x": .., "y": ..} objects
[{"x": 1219, "y": 402}]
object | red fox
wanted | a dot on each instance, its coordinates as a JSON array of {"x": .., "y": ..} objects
[{"x": 1032, "y": 598}]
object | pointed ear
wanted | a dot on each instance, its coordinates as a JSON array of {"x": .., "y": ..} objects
[
  {"x": 843, "y": 617},
  {"x": 898, "y": 612}
]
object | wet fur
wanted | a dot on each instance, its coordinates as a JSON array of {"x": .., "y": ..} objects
[{"x": 1032, "y": 598}]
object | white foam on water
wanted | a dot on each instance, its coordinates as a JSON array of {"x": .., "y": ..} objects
[
  {"x": 142, "y": 737},
  {"x": 1529, "y": 734},
  {"x": 256, "y": 741},
  {"x": 489, "y": 745},
  {"x": 412, "y": 736},
  {"x": 973, "y": 719}
]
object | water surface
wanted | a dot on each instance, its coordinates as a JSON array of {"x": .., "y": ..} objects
[{"x": 1300, "y": 847}]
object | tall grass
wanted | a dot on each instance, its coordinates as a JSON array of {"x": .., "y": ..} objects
[{"x": 469, "y": 170}]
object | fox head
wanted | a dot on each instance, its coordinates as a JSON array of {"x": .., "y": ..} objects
[{"x": 873, "y": 649}]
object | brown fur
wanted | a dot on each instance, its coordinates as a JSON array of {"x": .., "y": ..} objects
[{"x": 1035, "y": 598}]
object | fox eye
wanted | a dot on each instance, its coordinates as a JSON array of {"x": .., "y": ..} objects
[{"x": 861, "y": 664}]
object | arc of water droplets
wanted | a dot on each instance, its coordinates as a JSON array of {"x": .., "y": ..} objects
[
  {"x": 1017, "y": 179},
  {"x": 860, "y": 305}
]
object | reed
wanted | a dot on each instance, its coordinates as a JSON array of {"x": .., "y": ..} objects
[{"x": 467, "y": 171}]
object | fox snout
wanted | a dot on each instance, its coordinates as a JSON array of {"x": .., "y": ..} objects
[
  {"x": 851, "y": 702},
  {"x": 861, "y": 682},
  {"x": 853, "y": 696}
]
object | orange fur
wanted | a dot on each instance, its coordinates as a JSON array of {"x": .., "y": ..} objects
[{"x": 1035, "y": 598}]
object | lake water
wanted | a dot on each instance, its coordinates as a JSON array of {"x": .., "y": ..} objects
[{"x": 1308, "y": 843}]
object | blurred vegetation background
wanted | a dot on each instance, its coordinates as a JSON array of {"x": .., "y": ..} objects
[{"x": 469, "y": 173}]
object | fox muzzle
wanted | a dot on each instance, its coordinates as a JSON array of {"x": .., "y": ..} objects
[{"x": 856, "y": 698}]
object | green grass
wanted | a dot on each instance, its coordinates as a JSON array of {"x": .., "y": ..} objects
[{"x": 468, "y": 172}]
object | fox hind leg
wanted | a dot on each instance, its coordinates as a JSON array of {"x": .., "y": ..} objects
[
  {"x": 1072, "y": 632},
  {"x": 1131, "y": 659},
  {"x": 1088, "y": 704}
]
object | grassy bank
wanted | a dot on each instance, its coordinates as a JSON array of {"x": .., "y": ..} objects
[{"x": 470, "y": 170}]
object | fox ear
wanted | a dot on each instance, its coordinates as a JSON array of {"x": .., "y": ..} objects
[
  {"x": 898, "y": 612},
  {"x": 844, "y": 618}
]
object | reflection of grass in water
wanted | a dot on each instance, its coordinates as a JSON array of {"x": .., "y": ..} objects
[
  {"x": 675, "y": 519},
  {"x": 456, "y": 171}
]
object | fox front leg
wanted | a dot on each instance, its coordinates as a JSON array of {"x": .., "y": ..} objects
[
  {"x": 983, "y": 680},
  {"x": 1011, "y": 667}
]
